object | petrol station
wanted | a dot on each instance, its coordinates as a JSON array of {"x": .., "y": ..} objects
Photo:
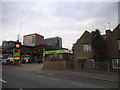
[{"x": 21, "y": 52}]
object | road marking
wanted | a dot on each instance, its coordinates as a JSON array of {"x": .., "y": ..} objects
[{"x": 3, "y": 81}]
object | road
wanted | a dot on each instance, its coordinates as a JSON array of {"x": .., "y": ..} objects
[{"x": 13, "y": 78}]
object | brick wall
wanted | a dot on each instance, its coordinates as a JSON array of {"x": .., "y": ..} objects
[{"x": 54, "y": 65}]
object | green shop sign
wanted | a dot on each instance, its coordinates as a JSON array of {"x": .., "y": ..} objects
[{"x": 56, "y": 51}]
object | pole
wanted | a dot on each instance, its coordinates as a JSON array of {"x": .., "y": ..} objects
[
  {"x": 13, "y": 56},
  {"x": 18, "y": 37}
]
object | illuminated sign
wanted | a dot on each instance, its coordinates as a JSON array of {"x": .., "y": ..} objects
[
  {"x": 17, "y": 51},
  {"x": 16, "y": 57},
  {"x": 16, "y": 54},
  {"x": 17, "y": 45},
  {"x": 56, "y": 51}
]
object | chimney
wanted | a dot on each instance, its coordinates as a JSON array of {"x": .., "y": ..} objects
[{"x": 108, "y": 32}]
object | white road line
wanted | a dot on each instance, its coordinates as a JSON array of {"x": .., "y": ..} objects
[{"x": 3, "y": 81}]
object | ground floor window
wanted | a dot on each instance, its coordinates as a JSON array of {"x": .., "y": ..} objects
[{"x": 116, "y": 63}]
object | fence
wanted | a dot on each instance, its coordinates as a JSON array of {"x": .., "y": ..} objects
[
  {"x": 86, "y": 66},
  {"x": 90, "y": 66}
]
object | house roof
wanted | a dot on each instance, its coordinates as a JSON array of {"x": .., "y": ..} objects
[{"x": 86, "y": 32}]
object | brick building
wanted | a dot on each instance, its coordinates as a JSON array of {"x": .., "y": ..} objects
[
  {"x": 62, "y": 54},
  {"x": 55, "y": 41},
  {"x": 113, "y": 45},
  {"x": 82, "y": 48},
  {"x": 33, "y": 40},
  {"x": 8, "y": 44}
]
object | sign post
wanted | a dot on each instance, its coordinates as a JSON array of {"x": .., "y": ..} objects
[{"x": 17, "y": 52}]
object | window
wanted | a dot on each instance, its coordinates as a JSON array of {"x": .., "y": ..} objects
[
  {"x": 118, "y": 44},
  {"x": 86, "y": 47},
  {"x": 116, "y": 63},
  {"x": 33, "y": 39}
]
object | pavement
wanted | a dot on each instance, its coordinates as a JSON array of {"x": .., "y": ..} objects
[
  {"x": 87, "y": 75},
  {"x": 37, "y": 68},
  {"x": 34, "y": 67}
]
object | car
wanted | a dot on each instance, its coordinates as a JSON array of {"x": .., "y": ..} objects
[
  {"x": 5, "y": 61},
  {"x": 10, "y": 59}
]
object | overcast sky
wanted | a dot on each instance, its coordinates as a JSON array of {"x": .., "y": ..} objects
[{"x": 67, "y": 20}]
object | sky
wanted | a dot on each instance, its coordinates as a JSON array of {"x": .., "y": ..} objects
[{"x": 67, "y": 20}]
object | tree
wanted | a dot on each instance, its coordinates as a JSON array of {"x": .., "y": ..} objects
[{"x": 98, "y": 45}]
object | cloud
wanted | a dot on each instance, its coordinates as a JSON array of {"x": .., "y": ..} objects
[{"x": 65, "y": 19}]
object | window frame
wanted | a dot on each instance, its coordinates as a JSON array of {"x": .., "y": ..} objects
[{"x": 86, "y": 47}]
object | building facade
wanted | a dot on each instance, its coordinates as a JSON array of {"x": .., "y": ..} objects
[
  {"x": 82, "y": 48},
  {"x": 58, "y": 55},
  {"x": 55, "y": 41},
  {"x": 8, "y": 44},
  {"x": 113, "y": 46},
  {"x": 33, "y": 40}
]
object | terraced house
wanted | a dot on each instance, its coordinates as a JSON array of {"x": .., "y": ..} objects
[
  {"x": 82, "y": 49},
  {"x": 113, "y": 46}
]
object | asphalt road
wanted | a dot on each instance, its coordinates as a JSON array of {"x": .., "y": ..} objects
[{"x": 12, "y": 78}]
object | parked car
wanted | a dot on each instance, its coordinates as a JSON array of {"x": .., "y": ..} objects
[
  {"x": 10, "y": 59},
  {"x": 5, "y": 61}
]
